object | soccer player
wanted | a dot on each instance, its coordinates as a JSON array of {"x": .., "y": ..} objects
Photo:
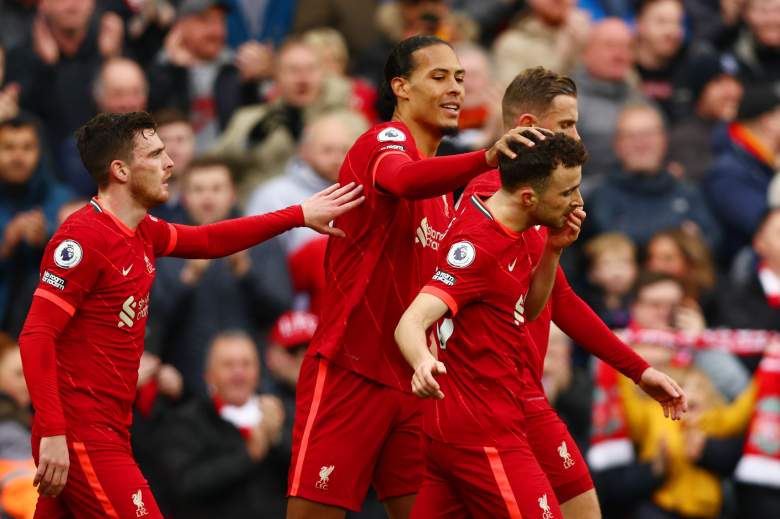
[
  {"x": 539, "y": 97},
  {"x": 478, "y": 462},
  {"x": 356, "y": 421},
  {"x": 84, "y": 333}
]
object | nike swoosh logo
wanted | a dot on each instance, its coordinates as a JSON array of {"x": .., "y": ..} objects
[
  {"x": 126, "y": 271},
  {"x": 512, "y": 265}
]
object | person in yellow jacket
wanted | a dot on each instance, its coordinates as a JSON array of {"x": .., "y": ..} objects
[
  {"x": 17, "y": 493},
  {"x": 688, "y": 490}
]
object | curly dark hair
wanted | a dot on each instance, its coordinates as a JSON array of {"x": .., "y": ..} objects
[
  {"x": 108, "y": 137},
  {"x": 533, "y": 166}
]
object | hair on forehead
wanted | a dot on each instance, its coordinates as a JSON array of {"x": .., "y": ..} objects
[{"x": 533, "y": 91}]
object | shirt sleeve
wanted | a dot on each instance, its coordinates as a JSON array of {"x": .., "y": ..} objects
[
  {"x": 162, "y": 235},
  {"x": 461, "y": 276}
]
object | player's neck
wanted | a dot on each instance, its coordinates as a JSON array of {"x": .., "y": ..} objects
[
  {"x": 426, "y": 142},
  {"x": 508, "y": 211},
  {"x": 123, "y": 206}
]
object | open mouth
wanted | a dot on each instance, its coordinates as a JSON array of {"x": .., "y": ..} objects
[{"x": 452, "y": 108}]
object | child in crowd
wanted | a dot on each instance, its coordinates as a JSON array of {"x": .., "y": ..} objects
[{"x": 612, "y": 271}]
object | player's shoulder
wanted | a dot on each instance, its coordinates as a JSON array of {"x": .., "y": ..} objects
[
  {"x": 389, "y": 136},
  {"x": 472, "y": 226},
  {"x": 82, "y": 225}
]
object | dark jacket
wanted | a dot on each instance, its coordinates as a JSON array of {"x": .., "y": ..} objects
[
  {"x": 210, "y": 471},
  {"x": 736, "y": 188},
  {"x": 641, "y": 205}
]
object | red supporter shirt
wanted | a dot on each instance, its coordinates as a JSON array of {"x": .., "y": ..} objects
[
  {"x": 483, "y": 276},
  {"x": 100, "y": 272},
  {"x": 373, "y": 274}
]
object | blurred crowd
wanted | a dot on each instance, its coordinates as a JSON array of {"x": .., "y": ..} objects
[{"x": 257, "y": 102}]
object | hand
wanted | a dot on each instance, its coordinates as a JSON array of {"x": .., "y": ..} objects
[
  {"x": 666, "y": 391},
  {"x": 328, "y": 204},
  {"x": 688, "y": 318},
  {"x": 559, "y": 239},
  {"x": 254, "y": 61},
  {"x": 257, "y": 444},
  {"x": 34, "y": 227},
  {"x": 423, "y": 383},
  {"x": 240, "y": 262},
  {"x": 177, "y": 53},
  {"x": 695, "y": 440},
  {"x": 147, "y": 368},
  {"x": 515, "y": 134},
  {"x": 44, "y": 44},
  {"x": 53, "y": 465},
  {"x": 169, "y": 382},
  {"x": 659, "y": 464},
  {"x": 9, "y": 101},
  {"x": 12, "y": 236},
  {"x": 193, "y": 270},
  {"x": 273, "y": 417},
  {"x": 112, "y": 33}
]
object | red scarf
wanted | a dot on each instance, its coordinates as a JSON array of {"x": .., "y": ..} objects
[
  {"x": 610, "y": 442},
  {"x": 760, "y": 463},
  {"x": 221, "y": 406},
  {"x": 770, "y": 283}
]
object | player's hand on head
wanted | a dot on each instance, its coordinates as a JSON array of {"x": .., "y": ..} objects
[
  {"x": 568, "y": 234},
  {"x": 53, "y": 465},
  {"x": 424, "y": 384},
  {"x": 330, "y": 203},
  {"x": 502, "y": 145},
  {"x": 666, "y": 391}
]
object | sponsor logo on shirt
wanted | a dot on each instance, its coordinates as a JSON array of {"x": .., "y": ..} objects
[
  {"x": 325, "y": 473},
  {"x": 133, "y": 310},
  {"x": 445, "y": 278},
  {"x": 428, "y": 236},
  {"x": 391, "y": 134},
  {"x": 461, "y": 254},
  {"x": 68, "y": 254},
  {"x": 392, "y": 147},
  {"x": 520, "y": 311},
  {"x": 53, "y": 280},
  {"x": 149, "y": 266},
  {"x": 138, "y": 501}
]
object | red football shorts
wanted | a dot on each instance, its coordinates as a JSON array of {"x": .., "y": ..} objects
[
  {"x": 466, "y": 481},
  {"x": 554, "y": 448},
  {"x": 351, "y": 432},
  {"x": 104, "y": 481}
]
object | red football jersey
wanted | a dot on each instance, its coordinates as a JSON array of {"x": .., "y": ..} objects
[
  {"x": 100, "y": 271},
  {"x": 371, "y": 275},
  {"x": 483, "y": 276},
  {"x": 432, "y": 218}
]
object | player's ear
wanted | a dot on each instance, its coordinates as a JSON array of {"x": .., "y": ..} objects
[
  {"x": 118, "y": 169},
  {"x": 528, "y": 197},
  {"x": 527, "y": 119},
  {"x": 400, "y": 87}
]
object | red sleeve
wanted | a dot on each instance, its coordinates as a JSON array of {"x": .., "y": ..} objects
[
  {"x": 396, "y": 173},
  {"x": 580, "y": 322},
  {"x": 230, "y": 236},
  {"x": 461, "y": 276},
  {"x": 45, "y": 321},
  {"x": 162, "y": 234}
]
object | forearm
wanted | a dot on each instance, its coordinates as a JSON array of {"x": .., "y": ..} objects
[
  {"x": 230, "y": 236},
  {"x": 542, "y": 283},
  {"x": 45, "y": 321},
  {"x": 399, "y": 175},
  {"x": 411, "y": 338}
]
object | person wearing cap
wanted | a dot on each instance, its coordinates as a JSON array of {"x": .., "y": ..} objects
[
  {"x": 737, "y": 184},
  {"x": 226, "y": 454},
  {"x": 713, "y": 92},
  {"x": 197, "y": 73}
]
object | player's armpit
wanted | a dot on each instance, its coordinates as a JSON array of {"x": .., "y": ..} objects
[{"x": 45, "y": 322}]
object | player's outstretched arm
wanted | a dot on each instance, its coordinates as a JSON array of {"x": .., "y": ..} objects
[
  {"x": 544, "y": 274},
  {"x": 410, "y": 334},
  {"x": 230, "y": 236},
  {"x": 666, "y": 391}
]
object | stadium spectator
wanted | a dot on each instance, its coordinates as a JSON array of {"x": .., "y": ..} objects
[
  {"x": 641, "y": 185},
  {"x": 685, "y": 255},
  {"x": 612, "y": 272},
  {"x": 758, "y": 46},
  {"x": 55, "y": 69},
  {"x": 196, "y": 299},
  {"x": 120, "y": 87},
  {"x": 17, "y": 469},
  {"x": 715, "y": 94},
  {"x": 29, "y": 201},
  {"x": 660, "y": 52},
  {"x": 175, "y": 130},
  {"x": 263, "y": 137},
  {"x": 16, "y": 20},
  {"x": 737, "y": 183},
  {"x": 323, "y": 146},
  {"x": 225, "y": 453},
  {"x": 604, "y": 86},
  {"x": 550, "y": 33},
  {"x": 9, "y": 93},
  {"x": 196, "y": 73},
  {"x": 332, "y": 51},
  {"x": 755, "y": 301},
  {"x": 259, "y": 21},
  {"x": 349, "y": 17}
]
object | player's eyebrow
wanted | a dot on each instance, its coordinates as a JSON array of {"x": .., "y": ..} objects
[
  {"x": 570, "y": 189},
  {"x": 457, "y": 72},
  {"x": 156, "y": 151}
]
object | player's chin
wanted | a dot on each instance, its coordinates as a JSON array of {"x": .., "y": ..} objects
[{"x": 449, "y": 128}]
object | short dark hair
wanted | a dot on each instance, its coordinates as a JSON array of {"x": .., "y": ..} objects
[
  {"x": 649, "y": 278},
  {"x": 167, "y": 116},
  {"x": 210, "y": 161},
  {"x": 21, "y": 121},
  {"x": 107, "y": 137},
  {"x": 400, "y": 62},
  {"x": 533, "y": 91},
  {"x": 533, "y": 166}
]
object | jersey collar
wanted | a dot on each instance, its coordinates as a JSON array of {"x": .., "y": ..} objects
[
  {"x": 480, "y": 205},
  {"x": 95, "y": 203}
]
